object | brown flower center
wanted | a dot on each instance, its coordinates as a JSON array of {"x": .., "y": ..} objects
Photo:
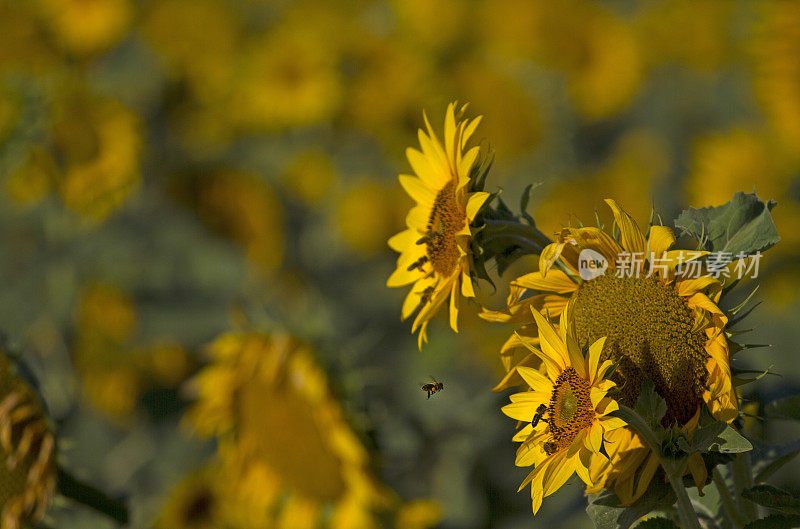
[
  {"x": 445, "y": 221},
  {"x": 650, "y": 333},
  {"x": 570, "y": 410}
]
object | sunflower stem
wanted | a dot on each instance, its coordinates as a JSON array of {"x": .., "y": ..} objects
[
  {"x": 727, "y": 501},
  {"x": 673, "y": 468},
  {"x": 73, "y": 488},
  {"x": 742, "y": 472}
]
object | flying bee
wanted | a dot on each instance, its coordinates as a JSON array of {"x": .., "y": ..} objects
[
  {"x": 418, "y": 263},
  {"x": 432, "y": 387},
  {"x": 549, "y": 447},
  {"x": 538, "y": 415}
]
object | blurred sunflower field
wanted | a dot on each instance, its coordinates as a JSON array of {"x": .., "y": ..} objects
[{"x": 201, "y": 217}]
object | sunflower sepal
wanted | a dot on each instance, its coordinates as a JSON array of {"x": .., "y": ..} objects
[{"x": 507, "y": 236}]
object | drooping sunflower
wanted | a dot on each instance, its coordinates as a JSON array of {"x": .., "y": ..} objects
[
  {"x": 434, "y": 251},
  {"x": 27, "y": 452},
  {"x": 567, "y": 409},
  {"x": 289, "y": 454},
  {"x": 661, "y": 320}
]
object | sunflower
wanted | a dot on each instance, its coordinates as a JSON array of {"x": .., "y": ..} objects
[
  {"x": 435, "y": 249},
  {"x": 27, "y": 452},
  {"x": 98, "y": 141},
  {"x": 195, "y": 502},
  {"x": 661, "y": 320},
  {"x": 291, "y": 458},
  {"x": 566, "y": 407},
  {"x": 86, "y": 27}
]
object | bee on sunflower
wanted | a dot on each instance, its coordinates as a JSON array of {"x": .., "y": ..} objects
[
  {"x": 567, "y": 408},
  {"x": 435, "y": 254},
  {"x": 660, "y": 322}
]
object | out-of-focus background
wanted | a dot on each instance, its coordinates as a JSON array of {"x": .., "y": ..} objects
[{"x": 172, "y": 170}]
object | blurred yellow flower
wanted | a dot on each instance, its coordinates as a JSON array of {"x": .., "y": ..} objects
[
  {"x": 106, "y": 314},
  {"x": 31, "y": 182},
  {"x": 9, "y": 112},
  {"x": 113, "y": 389},
  {"x": 197, "y": 40},
  {"x": 310, "y": 176},
  {"x": 434, "y": 25},
  {"x": 27, "y": 452},
  {"x": 286, "y": 78},
  {"x": 735, "y": 160},
  {"x": 418, "y": 514},
  {"x": 284, "y": 435},
  {"x": 168, "y": 363},
  {"x": 607, "y": 73},
  {"x": 244, "y": 207},
  {"x": 776, "y": 72},
  {"x": 515, "y": 124},
  {"x": 23, "y": 43},
  {"x": 435, "y": 256},
  {"x": 686, "y": 32},
  {"x": 372, "y": 201},
  {"x": 105, "y": 326},
  {"x": 389, "y": 86},
  {"x": 633, "y": 172},
  {"x": 98, "y": 141},
  {"x": 596, "y": 50},
  {"x": 87, "y": 26},
  {"x": 508, "y": 28}
]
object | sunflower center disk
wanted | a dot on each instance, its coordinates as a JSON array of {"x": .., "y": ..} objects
[
  {"x": 570, "y": 410},
  {"x": 445, "y": 221},
  {"x": 649, "y": 330}
]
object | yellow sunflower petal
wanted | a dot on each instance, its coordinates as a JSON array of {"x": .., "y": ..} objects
[
  {"x": 455, "y": 299},
  {"x": 417, "y": 190},
  {"x": 594, "y": 357},
  {"x": 476, "y": 201},
  {"x": 558, "y": 473},
  {"x": 689, "y": 287},
  {"x": 631, "y": 237},
  {"x": 403, "y": 240},
  {"x": 660, "y": 240},
  {"x": 534, "y": 378},
  {"x": 553, "y": 367},
  {"x": 556, "y": 281},
  {"x": 551, "y": 343}
]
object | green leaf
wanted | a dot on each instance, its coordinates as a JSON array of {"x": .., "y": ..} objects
[
  {"x": 742, "y": 225},
  {"x": 607, "y": 512},
  {"x": 786, "y": 408},
  {"x": 775, "y": 521},
  {"x": 768, "y": 459},
  {"x": 719, "y": 437},
  {"x": 650, "y": 405},
  {"x": 658, "y": 522},
  {"x": 773, "y": 497}
]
